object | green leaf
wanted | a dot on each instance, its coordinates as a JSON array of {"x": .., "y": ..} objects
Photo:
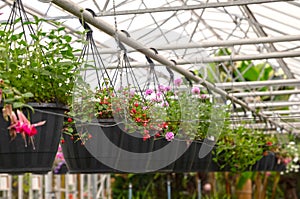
[
  {"x": 17, "y": 105},
  {"x": 67, "y": 38},
  {"x": 27, "y": 95}
]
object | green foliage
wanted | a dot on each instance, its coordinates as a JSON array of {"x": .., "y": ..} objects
[
  {"x": 239, "y": 148},
  {"x": 42, "y": 63}
]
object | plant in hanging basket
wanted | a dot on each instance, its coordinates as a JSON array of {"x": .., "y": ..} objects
[{"x": 41, "y": 65}]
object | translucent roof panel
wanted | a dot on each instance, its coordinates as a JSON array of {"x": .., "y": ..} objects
[{"x": 194, "y": 32}]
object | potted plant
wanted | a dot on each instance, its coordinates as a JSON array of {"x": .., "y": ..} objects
[
  {"x": 139, "y": 123},
  {"x": 42, "y": 66},
  {"x": 160, "y": 116}
]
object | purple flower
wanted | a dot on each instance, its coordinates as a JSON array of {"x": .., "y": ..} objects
[
  {"x": 149, "y": 91},
  {"x": 169, "y": 136},
  {"x": 178, "y": 82},
  {"x": 196, "y": 90}
]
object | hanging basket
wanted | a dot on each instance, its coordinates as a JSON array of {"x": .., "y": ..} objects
[
  {"x": 190, "y": 160},
  {"x": 16, "y": 158},
  {"x": 106, "y": 159}
]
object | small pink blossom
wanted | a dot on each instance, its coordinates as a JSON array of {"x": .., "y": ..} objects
[
  {"x": 156, "y": 99},
  {"x": 165, "y": 104},
  {"x": 169, "y": 136},
  {"x": 203, "y": 96},
  {"x": 196, "y": 90},
  {"x": 148, "y": 91},
  {"x": 158, "y": 94},
  {"x": 178, "y": 82},
  {"x": 131, "y": 93},
  {"x": 287, "y": 160},
  {"x": 161, "y": 88},
  {"x": 145, "y": 108},
  {"x": 167, "y": 88}
]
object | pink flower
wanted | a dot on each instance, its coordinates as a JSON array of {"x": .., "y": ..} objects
[
  {"x": 169, "y": 136},
  {"x": 131, "y": 93},
  {"x": 145, "y": 108},
  {"x": 148, "y": 91},
  {"x": 167, "y": 88},
  {"x": 165, "y": 104},
  {"x": 161, "y": 88},
  {"x": 287, "y": 160},
  {"x": 178, "y": 82},
  {"x": 203, "y": 96},
  {"x": 22, "y": 125},
  {"x": 196, "y": 90},
  {"x": 156, "y": 99},
  {"x": 60, "y": 156}
]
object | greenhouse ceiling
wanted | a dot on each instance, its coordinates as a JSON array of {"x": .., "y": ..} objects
[{"x": 249, "y": 48}]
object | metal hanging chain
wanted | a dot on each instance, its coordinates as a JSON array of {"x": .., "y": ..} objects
[{"x": 91, "y": 45}]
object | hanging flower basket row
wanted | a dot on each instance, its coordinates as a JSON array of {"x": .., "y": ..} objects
[{"x": 37, "y": 71}]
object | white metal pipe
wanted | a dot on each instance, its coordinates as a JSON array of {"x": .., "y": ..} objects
[
  {"x": 255, "y": 84},
  {"x": 279, "y": 112},
  {"x": 272, "y": 104},
  {"x": 263, "y": 125},
  {"x": 208, "y": 44},
  {"x": 110, "y": 30},
  {"x": 265, "y": 93},
  {"x": 48, "y": 185},
  {"x": 229, "y": 58},
  {"x": 20, "y": 186},
  {"x": 189, "y": 7}
]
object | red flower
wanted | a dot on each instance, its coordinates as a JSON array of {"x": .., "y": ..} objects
[
  {"x": 62, "y": 141},
  {"x": 157, "y": 135},
  {"x": 70, "y": 120},
  {"x": 269, "y": 143},
  {"x": 146, "y": 137},
  {"x": 133, "y": 110},
  {"x": 136, "y": 104},
  {"x": 165, "y": 125}
]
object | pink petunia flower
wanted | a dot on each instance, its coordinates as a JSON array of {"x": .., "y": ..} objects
[
  {"x": 149, "y": 91},
  {"x": 161, "y": 88},
  {"x": 167, "y": 88},
  {"x": 169, "y": 136},
  {"x": 178, "y": 82},
  {"x": 196, "y": 90}
]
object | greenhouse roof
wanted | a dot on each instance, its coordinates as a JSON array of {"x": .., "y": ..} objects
[{"x": 201, "y": 35}]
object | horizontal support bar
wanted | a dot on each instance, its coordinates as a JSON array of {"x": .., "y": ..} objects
[
  {"x": 265, "y": 93},
  {"x": 232, "y": 58},
  {"x": 275, "y": 112},
  {"x": 271, "y": 104},
  {"x": 257, "y": 84},
  {"x": 187, "y": 7},
  {"x": 208, "y": 44}
]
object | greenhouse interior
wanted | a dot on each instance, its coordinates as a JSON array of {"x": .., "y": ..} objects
[{"x": 183, "y": 99}]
